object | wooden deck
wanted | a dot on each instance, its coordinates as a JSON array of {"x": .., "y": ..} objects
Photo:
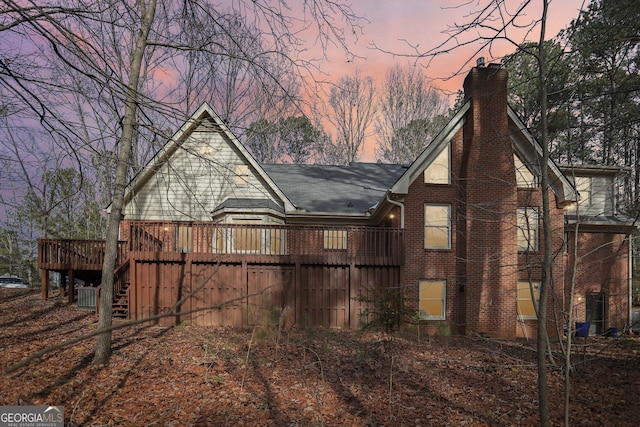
[{"x": 316, "y": 271}]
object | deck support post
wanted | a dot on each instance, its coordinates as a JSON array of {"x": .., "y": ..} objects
[
  {"x": 63, "y": 284},
  {"x": 354, "y": 292},
  {"x": 44, "y": 280},
  {"x": 71, "y": 290}
]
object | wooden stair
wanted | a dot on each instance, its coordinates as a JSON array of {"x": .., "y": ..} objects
[{"x": 121, "y": 303}]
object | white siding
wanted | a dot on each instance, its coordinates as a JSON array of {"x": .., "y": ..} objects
[
  {"x": 601, "y": 197},
  {"x": 199, "y": 176}
]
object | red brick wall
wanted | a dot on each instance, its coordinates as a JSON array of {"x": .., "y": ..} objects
[
  {"x": 483, "y": 265},
  {"x": 603, "y": 266}
]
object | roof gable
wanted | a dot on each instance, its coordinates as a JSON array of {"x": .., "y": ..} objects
[
  {"x": 529, "y": 151},
  {"x": 191, "y": 140},
  {"x": 432, "y": 150}
]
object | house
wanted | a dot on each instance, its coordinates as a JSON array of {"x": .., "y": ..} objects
[{"x": 459, "y": 230}]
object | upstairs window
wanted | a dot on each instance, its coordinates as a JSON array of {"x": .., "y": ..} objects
[
  {"x": 437, "y": 226},
  {"x": 527, "y": 299},
  {"x": 524, "y": 177},
  {"x": 528, "y": 220},
  {"x": 438, "y": 171},
  {"x": 583, "y": 185},
  {"x": 432, "y": 299}
]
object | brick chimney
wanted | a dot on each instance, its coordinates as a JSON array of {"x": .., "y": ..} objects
[{"x": 487, "y": 209}]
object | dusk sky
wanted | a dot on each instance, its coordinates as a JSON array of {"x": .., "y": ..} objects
[
  {"x": 400, "y": 26},
  {"x": 422, "y": 22}
]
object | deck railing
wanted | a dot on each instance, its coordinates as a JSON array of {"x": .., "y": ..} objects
[
  {"x": 267, "y": 239},
  {"x": 63, "y": 254},
  {"x": 349, "y": 242}
]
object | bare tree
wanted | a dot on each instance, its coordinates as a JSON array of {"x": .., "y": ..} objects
[
  {"x": 91, "y": 73},
  {"x": 411, "y": 113},
  {"x": 352, "y": 105}
]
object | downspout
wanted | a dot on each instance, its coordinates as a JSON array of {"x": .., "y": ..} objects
[{"x": 401, "y": 205}]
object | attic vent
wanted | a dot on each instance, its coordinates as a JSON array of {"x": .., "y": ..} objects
[{"x": 480, "y": 61}]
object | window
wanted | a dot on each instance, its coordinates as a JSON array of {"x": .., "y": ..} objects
[
  {"x": 437, "y": 226},
  {"x": 528, "y": 296},
  {"x": 527, "y": 229},
  {"x": 184, "y": 233},
  {"x": 432, "y": 299},
  {"x": 335, "y": 239},
  {"x": 247, "y": 239},
  {"x": 245, "y": 236},
  {"x": 438, "y": 171},
  {"x": 524, "y": 177},
  {"x": 583, "y": 185},
  {"x": 242, "y": 175}
]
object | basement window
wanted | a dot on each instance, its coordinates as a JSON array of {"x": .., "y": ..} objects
[
  {"x": 432, "y": 299},
  {"x": 528, "y": 296}
]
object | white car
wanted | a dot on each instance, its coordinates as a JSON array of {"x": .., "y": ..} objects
[{"x": 12, "y": 282}]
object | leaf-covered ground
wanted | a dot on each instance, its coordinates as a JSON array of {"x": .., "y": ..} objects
[{"x": 195, "y": 376}]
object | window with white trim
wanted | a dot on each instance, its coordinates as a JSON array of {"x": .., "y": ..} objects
[
  {"x": 528, "y": 220},
  {"x": 438, "y": 171},
  {"x": 437, "y": 226},
  {"x": 527, "y": 299},
  {"x": 432, "y": 296}
]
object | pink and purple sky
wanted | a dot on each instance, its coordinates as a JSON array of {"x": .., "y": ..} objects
[
  {"x": 395, "y": 25},
  {"x": 405, "y": 27}
]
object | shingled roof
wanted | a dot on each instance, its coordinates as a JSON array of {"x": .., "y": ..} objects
[{"x": 348, "y": 189}]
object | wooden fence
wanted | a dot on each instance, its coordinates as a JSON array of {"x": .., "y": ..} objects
[{"x": 244, "y": 294}]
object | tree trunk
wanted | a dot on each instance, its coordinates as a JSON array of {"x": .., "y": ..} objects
[
  {"x": 103, "y": 342},
  {"x": 543, "y": 392}
]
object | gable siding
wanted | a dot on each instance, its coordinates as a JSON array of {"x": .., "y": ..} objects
[
  {"x": 194, "y": 182},
  {"x": 601, "y": 197}
]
